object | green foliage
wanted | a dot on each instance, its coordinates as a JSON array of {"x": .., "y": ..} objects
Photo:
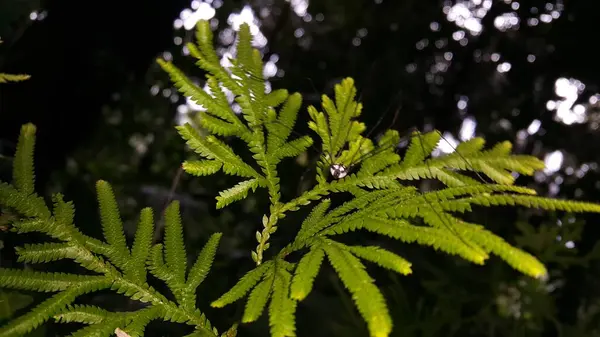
[
  {"x": 111, "y": 264},
  {"x": 381, "y": 203}
]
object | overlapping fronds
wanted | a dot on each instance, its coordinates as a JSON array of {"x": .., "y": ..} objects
[
  {"x": 262, "y": 127},
  {"x": 269, "y": 281},
  {"x": 113, "y": 265},
  {"x": 382, "y": 202}
]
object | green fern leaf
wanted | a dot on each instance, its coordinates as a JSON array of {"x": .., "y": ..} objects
[
  {"x": 306, "y": 271},
  {"x": 293, "y": 148},
  {"x": 217, "y": 126},
  {"x": 366, "y": 295},
  {"x": 236, "y": 193},
  {"x": 138, "y": 293},
  {"x": 31, "y": 206},
  {"x": 157, "y": 266},
  {"x": 45, "y": 252},
  {"x": 276, "y": 97},
  {"x": 141, "y": 246},
  {"x": 201, "y": 167},
  {"x": 244, "y": 285},
  {"x": 440, "y": 239},
  {"x": 282, "y": 309},
  {"x": 382, "y": 257},
  {"x": 307, "y": 228},
  {"x": 48, "y": 308},
  {"x": 140, "y": 320},
  {"x": 420, "y": 147},
  {"x": 516, "y": 258},
  {"x": 46, "y": 282},
  {"x": 23, "y": 177},
  {"x": 189, "y": 89},
  {"x": 203, "y": 264},
  {"x": 104, "y": 330},
  {"x": 5, "y": 78},
  {"x": 279, "y": 131},
  {"x": 175, "y": 256},
  {"x": 258, "y": 299},
  {"x": 111, "y": 224},
  {"x": 86, "y": 314},
  {"x": 212, "y": 148}
]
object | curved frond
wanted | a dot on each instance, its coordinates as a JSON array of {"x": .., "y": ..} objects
[
  {"x": 48, "y": 308},
  {"x": 212, "y": 148},
  {"x": 111, "y": 224},
  {"x": 203, "y": 264},
  {"x": 86, "y": 314},
  {"x": 23, "y": 177},
  {"x": 306, "y": 271},
  {"x": 5, "y": 78},
  {"x": 201, "y": 167},
  {"x": 244, "y": 285},
  {"x": 31, "y": 206},
  {"x": 175, "y": 257},
  {"x": 366, "y": 295},
  {"x": 382, "y": 257},
  {"x": 141, "y": 246},
  {"x": 45, "y": 282},
  {"x": 282, "y": 309},
  {"x": 45, "y": 252},
  {"x": 236, "y": 193},
  {"x": 258, "y": 299}
]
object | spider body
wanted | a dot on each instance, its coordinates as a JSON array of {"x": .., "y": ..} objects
[{"x": 338, "y": 171}]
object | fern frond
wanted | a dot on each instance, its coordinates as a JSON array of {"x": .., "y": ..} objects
[
  {"x": 306, "y": 272},
  {"x": 497, "y": 163},
  {"x": 276, "y": 97},
  {"x": 45, "y": 282},
  {"x": 236, "y": 193},
  {"x": 160, "y": 270},
  {"x": 211, "y": 148},
  {"x": 31, "y": 206},
  {"x": 316, "y": 215},
  {"x": 217, "y": 126},
  {"x": 48, "y": 308},
  {"x": 440, "y": 239},
  {"x": 23, "y": 177},
  {"x": 533, "y": 202},
  {"x": 244, "y": 285},
  {"x": 5, "y": 78},
  {"x": 201, "y": 167},
  {"x": 292, "y": 149},
  {"x": 190, "y": 89},
  {"x": 366, "y": 295},
  {"x": 280, "y": 130},
  {"x": 140, "y": 320},
  {"x": 203, "y": 264},
  {"x": 141, "y": 246},
  {"x": 112, "y": 225},
  {"x": 102, "y": 330},
  {"x": 32, "y": 215},
  {"x": 382, "y": 257},
  {"x": 86, "y": 314},
  {"x": 46, "y": 252},
  {"x": 137, "y": 292},
  {"x": 258, "y": 299},
  {"x": 282, "y": 309},
  {"x": 175, "y": 256},
  {"x": 516, "y": 258}
]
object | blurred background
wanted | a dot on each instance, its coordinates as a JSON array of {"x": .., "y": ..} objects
[{"x": 526, "y": 72}]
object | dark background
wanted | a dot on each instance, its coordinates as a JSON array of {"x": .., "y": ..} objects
[{"x": 104, "y": 110}]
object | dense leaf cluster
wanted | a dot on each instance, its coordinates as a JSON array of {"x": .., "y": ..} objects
[{"x": 380, "y": 202}]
